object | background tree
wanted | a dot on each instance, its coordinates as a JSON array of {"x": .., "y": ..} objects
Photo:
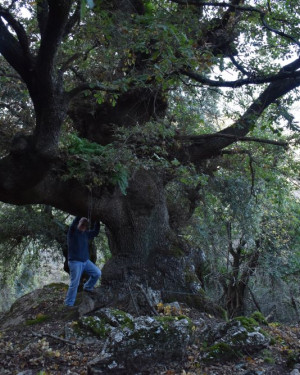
[
  {"x": 98, "y": 99},
  {"x": 248, "y": 225}
]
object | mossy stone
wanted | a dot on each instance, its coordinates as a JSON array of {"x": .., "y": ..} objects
[
  {"x": 166, "y": 320},
  {"x": 123, "y": 319},
  {"x": 95, "y": 325},
  {"x": 258, "y": 316},
  {"x": 248, "y": 323},
  {"x": 220, "y": 351},
  {"x": 40, "y": 318}
]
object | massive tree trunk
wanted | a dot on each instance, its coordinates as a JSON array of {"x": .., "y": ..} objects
[{"x": 148, "y": 258}]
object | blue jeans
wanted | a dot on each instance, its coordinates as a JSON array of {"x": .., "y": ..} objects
[{"x": 76, "y": 270}]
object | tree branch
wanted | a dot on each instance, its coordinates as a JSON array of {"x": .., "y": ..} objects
[
  {"x": 53, "y": 33},
  {"x": 73, "y": 19},
  {"x": 240, "y": 82},
  {"x": 18, "y": 28},
  {"x": 69, "y": 61},
  {"x": 236, "y": 7},
  {"x": 293, "y": 66},
  {"x": 77, "y": 74},
  {"x": 9, "y": 75},
  {"x": 91, "y": 87},
  {"x": 13, "y": 53},
  {"x": 239, "y": 66},
  {"x": 42, "y": 15},
  {"x": 201, "y": 138},
  {"x": 216, "y": 142},
  {"x": 219, "y": 5},
  {"x": 74, "y": 57},
  {"x": 278, "y": 32}
]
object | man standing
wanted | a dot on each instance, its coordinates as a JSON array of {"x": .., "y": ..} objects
[{"x": 78, "y": 257}]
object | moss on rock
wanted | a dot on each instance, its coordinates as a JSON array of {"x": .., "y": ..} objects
[
  {"x": 40, "y": 318},
  {"x": 94, "y": 324},
  {"x": 144, "y": 338},
  {"x": 166, "y": 320},
  {"x": 229, "y": 339},
  {"x": 249, "y": 323},
  {"x": 220, "y": 351},
  {"x": 124, "y": 319},
  {"x": 258, "y": 316}
]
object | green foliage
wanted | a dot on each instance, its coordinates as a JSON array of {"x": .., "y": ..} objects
[
  {"x": 95, "y": 325},
  {"x": 254, "y": 213},
  {"x": 249, "y": 323},
  {"x": 221, "y": 351},
  {"x": 120, "y": 178},
  {"x": 268, "y": 356},
  {"x": 85, "y": 159},
  {"x": 258, "y": 316},
  {"x": 83, "y": 6},
  {"x": 31, "y": 243},
  {"x": 77, "y": 145},
  {"x": 292, "y": 357},
  {"x": 40, "y": 318}
]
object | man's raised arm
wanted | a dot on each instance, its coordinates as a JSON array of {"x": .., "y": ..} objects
[{"x": 94, "y": 232}]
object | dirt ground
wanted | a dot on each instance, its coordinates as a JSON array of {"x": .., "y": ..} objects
[{"x": 32, "y": 341}]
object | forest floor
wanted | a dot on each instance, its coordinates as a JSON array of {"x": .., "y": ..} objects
[{"x": 32, "y": 342}]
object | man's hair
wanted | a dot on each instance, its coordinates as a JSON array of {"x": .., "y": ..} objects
[{"x": 83, "y": 220}]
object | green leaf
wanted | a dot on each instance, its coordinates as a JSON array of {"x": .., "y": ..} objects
[{"x": 83, "y": 8}]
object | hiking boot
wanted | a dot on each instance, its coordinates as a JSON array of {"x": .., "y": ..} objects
[
  {"x": 90, "y": 291},
  {"x": 70, "y": 308}
]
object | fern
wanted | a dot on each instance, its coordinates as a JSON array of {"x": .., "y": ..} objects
[
  {"x": 120, "y": 178},
  {"x": 91, "y": 155}
]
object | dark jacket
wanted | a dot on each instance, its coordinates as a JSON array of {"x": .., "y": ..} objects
[{"x": 78, "y": 241}]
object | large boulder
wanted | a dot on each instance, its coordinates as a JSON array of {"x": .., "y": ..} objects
[
  {"x": 134, "y": 343},
  {"x": 227, "y": 340},
  {"x": 47, "y": 301}
]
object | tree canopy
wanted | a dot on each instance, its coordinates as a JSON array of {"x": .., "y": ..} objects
[{"x": 110, "y": 70}]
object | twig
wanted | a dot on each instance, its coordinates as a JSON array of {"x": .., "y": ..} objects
[
  {"x": 147, "y": 299},
  {"x": 133, "y": 300},
  {"x": 254, "y": 299},
  {"x": 53, "y": 337},
  {"x": 272, "y": 313}
]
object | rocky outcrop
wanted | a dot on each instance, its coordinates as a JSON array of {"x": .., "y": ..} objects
[
  {"x": 27, "y": 307},
  {"x": 116, "y": 342},
  {"x": 231, "y": 339},
  {"x": 133, "y": 343}
]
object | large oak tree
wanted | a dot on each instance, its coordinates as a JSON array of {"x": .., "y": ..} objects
[{"x": 89, "y": 102}]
